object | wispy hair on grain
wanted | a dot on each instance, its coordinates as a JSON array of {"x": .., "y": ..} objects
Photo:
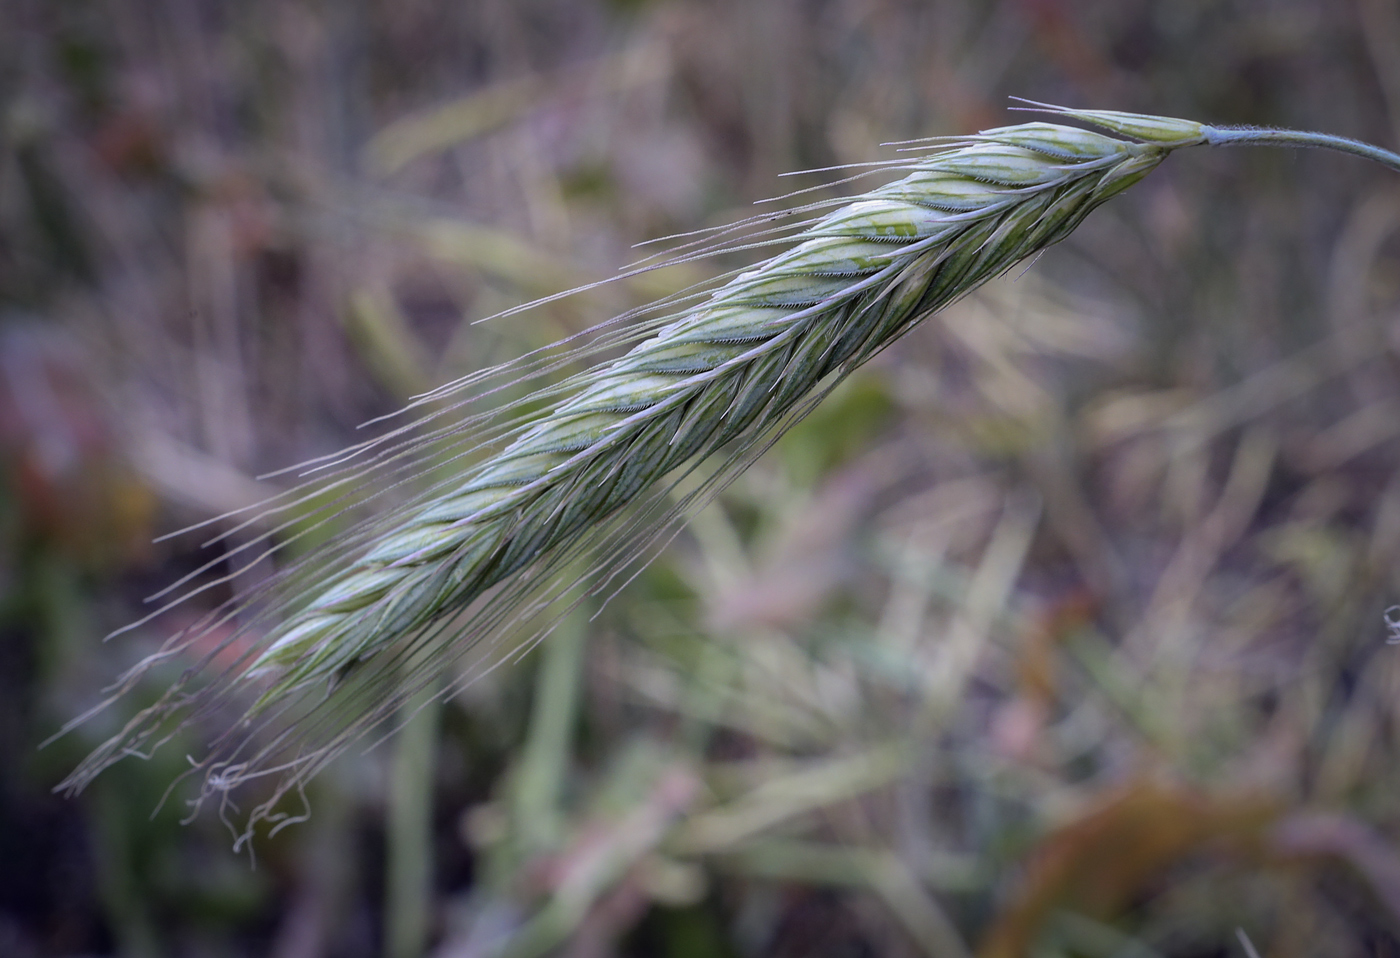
[{"x": 509, "y": 495}]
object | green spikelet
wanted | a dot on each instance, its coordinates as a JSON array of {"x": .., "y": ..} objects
[
  {"x": 377, "y": 615},
  {"x": 856, "y": 280}
]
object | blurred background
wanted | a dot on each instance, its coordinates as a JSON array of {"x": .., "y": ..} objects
[{"x": 1060, "y": 630}]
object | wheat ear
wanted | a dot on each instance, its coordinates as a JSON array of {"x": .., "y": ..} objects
[
  {"x": 721, "y": 378},
  {"x": 858, "y": 279}
]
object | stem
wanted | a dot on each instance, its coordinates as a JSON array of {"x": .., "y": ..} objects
[
  {"x": 1249, "y": 136},
  {"x": 544, "y": 761},
  {"x": 409, "y": 872}
]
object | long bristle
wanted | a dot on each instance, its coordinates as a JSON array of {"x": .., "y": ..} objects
[{"x": 526, "y": 496}]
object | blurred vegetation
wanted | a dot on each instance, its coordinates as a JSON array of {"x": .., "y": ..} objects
[{"x": 1058, "y": 631}]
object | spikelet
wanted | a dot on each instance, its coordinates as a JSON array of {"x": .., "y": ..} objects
[
  {"x": 858, "y": 279},
  {"x": 596, "y": 470}
]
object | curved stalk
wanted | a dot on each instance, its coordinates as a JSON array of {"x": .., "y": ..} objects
[{"x": 1253, "y": 136}]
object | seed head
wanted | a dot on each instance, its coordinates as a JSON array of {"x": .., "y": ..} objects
[{"x": 591, "y": 470}]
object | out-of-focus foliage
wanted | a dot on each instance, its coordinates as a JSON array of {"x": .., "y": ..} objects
[{"x": 1057, "y": 631}]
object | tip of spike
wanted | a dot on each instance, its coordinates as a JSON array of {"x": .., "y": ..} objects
[{"x": 1159, "y": 130}]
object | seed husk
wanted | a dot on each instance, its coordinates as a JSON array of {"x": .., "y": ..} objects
[{"x": 594, "y": 470}]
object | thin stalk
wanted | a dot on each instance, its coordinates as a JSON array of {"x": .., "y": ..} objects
[
  {"x": 409, "y": 877},
  {"x": 1252, "y": 136},
  {"x": 544, "y": 764},
  {"x": 118, "y": 884}
]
